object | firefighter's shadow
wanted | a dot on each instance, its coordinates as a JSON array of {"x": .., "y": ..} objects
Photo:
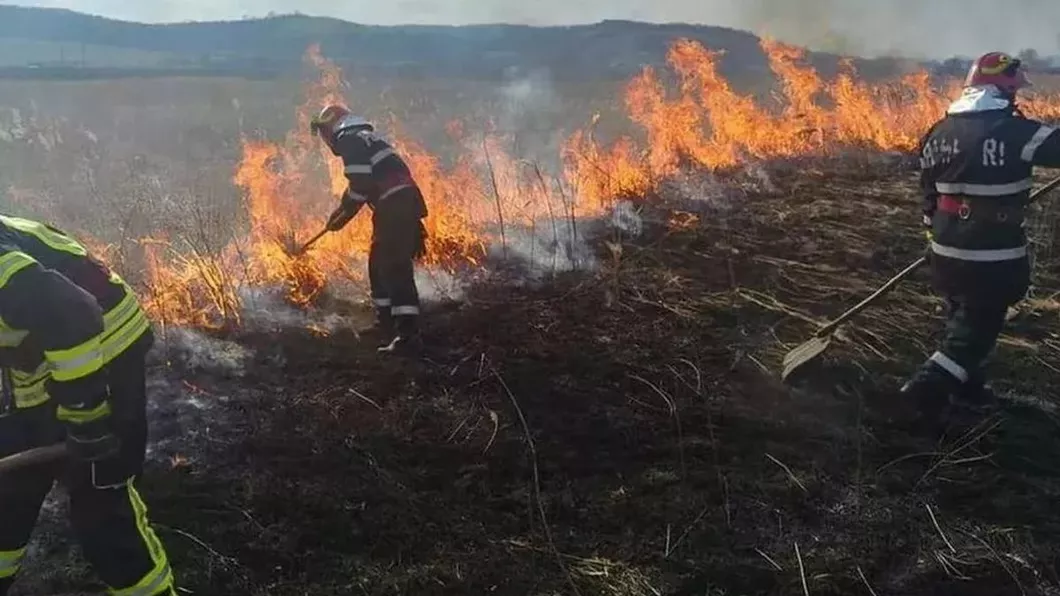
[{"x": 1027, "y": 439}]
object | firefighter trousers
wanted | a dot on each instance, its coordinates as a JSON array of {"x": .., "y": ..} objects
[
  {"x": 397, "y": 241},
  {"x": 972, "y": 329},
  {"x": 110, "y": 524}
]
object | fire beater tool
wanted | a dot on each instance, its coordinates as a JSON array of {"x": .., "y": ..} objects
[
  {"x": 816, "y": 345},
  {"x": 292, "y": 248},
  {"x": 312, "y": 241}
]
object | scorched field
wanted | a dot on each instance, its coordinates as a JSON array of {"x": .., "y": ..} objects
[{"x": 599, "y": 411}]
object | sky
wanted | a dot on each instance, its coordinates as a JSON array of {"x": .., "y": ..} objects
[{"x": 913, "y": 28}]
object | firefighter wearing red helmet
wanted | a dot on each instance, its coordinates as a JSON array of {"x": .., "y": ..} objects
[
  {"x": 976, "y": 165},
  {"x": 379, "y": 177}
]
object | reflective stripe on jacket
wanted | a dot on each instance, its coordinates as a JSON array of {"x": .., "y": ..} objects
[{"x": 38, "y": 366}]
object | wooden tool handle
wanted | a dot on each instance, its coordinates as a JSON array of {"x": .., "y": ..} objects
[
  {"x": 39, "y": 455},
  {"x": 1041, "y": 191},
  {"x": 867, "y": 302}
]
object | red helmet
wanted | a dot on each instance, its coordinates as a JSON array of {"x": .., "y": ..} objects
[{"x": 1000, "y": 69}]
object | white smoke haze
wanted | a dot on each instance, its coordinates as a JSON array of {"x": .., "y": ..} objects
[
  {"x": 437, "y": 285},
  {"x": 548, "y": 246},
  {"x": 701, "y": 189},
  {"x": 912, "y": 28},
  {"x": 624, "y": 217},
  {"x": 177, "y": 416},
  {"x": 264, "y": 309},
  {"x": 346, "y": 307},
  {"x": 528, "y": 110},
  {"x": 182, "y": 415},
  {"x": 197, "y": 352}
]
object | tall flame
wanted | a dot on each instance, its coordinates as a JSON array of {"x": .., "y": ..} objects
[{"x": 291, "y": 186}]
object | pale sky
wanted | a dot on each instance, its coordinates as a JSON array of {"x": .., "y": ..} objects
[{"x": 920, "y": 28}]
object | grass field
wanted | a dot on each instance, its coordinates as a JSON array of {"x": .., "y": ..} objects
[{"x": 614, "y": 430}]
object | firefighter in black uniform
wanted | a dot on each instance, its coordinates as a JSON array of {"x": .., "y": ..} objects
[
  {"x": 73, "y": 343},
  {"x": 380, "y": 178},
  {"x": 976, "y": 165}
]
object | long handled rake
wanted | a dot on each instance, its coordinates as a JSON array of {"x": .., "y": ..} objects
[{"x": 816, "y": 345}]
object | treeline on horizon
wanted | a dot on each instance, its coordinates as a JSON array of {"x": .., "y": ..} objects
[{"x": 275, "y": 45}]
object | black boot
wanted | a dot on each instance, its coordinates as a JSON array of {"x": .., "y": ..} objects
[
  {"x": 976, "y": 396},
  {"x": 929, "y": 391},
  {"x": 407, "y": 341}
]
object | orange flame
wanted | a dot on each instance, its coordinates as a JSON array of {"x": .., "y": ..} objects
[{"x": 291, "y": 186}]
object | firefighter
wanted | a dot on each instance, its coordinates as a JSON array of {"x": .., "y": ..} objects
[
  {"x": 378, "y": 177},
  {"x": 976, "y": 165},
  {"x": 73, "y": 343}
]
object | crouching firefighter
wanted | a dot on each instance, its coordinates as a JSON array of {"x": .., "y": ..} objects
[
  {"x": 73, "y": 342},
  {"x": 976, "y": 165},
  {"x": 379, "y": 177}
]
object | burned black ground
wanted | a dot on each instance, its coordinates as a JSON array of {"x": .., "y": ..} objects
[{"x": 623, "y": 432}]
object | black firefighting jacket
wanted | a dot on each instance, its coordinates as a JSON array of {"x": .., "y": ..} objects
[
  {"x": 63, "y": 317},
  {"x": 377, "y": 175},
  {"x": 976, "y": 165}
]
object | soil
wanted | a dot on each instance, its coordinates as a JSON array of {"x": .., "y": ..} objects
[{"x": 622, "y": 431}]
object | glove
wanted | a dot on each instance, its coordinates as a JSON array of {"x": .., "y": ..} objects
[{"x": 348, "y": 209}]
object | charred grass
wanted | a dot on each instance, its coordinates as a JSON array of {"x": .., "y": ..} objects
[{"x": 624, "y": 432}]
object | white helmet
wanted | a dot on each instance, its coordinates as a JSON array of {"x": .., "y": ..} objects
[{"x": 351, "y": 121}]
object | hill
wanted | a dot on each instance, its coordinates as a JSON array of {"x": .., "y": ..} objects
[{"x": 38, "y": 39}]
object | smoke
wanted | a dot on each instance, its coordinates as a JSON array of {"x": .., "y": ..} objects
[
  {"x": 526, "y": 95},
  {"x": 196, "y": 352},
  {"x": 912, "y": 28},
  {"x": 436, "y": 285},
  {"x": 529, "y": 106},
  {"x": 547, "y": 247},
  {"x": 625, "y": 218}
]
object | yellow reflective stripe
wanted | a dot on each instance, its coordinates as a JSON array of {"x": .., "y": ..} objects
[
  {"x": 76, "y": 362},
  {"x": 72, "y": 416},
  {"x": 32, "y": 397},
  {"x": 123, "y": 325},
  {"x": 30, "y": 389},
  {"x": 13, "y": 262},
  {"x": 10, "y": 562},
  {"x": 10, "y": 338},
  {"x": 23, "y": 378},
  {"x": 161, "y": 575},
  {"x": 116, "y": 316},
  {"x": 48, "y": 236},
  {"x": 122, "y": 338},
  {"x": 153, "y": 584},
  {"x": 27, "y": 400}
]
